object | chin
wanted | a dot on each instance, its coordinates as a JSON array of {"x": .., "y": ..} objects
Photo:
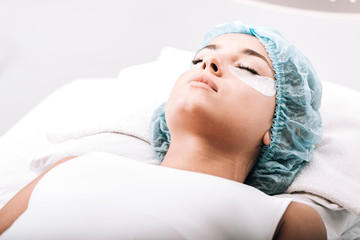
[
  {"x": 189, "y": 112},
  {"x": 192, "y": 104}
]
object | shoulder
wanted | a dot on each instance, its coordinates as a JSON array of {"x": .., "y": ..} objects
[{"x": 300, "y": 221}]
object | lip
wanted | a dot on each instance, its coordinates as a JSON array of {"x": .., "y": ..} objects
[{"x": 202, "y": 80}]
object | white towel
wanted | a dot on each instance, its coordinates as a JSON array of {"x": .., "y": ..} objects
[
  {"x": 334, "y": 171},
  {"x": 123, "y": 105}
]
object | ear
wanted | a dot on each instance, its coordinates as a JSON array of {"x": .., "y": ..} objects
[{"x": 267, "y": 138}]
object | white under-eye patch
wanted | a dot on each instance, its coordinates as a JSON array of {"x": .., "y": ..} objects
[{"x": 263, "y": 85}]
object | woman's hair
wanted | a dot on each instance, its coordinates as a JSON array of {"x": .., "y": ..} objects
[{"x": 296, "y": 126}]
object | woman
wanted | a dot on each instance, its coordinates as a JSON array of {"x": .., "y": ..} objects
[{"x": 247, "y": 111}]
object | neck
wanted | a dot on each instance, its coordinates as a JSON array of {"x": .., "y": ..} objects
[{"x": 199, "y": 156}]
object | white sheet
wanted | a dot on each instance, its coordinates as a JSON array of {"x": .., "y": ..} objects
[{"x": 104, "y": 196}]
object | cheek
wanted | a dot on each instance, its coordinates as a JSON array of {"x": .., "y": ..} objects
[
  {"x": 170, "y": 104},
  {"x": 177, "y": 98},
  {"x": 263, "y": 112},
  {"x": 177, "y": 88},
  {"x": 251, "y": 108}
]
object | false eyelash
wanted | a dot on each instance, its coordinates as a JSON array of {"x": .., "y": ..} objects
[
  {"x": 249, "y": 69},
  {"x": 196, "y": 61}
]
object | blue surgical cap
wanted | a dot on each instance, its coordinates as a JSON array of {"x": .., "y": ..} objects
[{"x": 296, "y": 126}]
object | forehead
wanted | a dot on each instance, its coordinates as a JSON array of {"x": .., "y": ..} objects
[{"x": 238, "y": 41}]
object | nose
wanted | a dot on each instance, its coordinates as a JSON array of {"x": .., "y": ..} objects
[{"x": 213, "y": 65}]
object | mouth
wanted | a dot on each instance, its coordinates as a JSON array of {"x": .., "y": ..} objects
[{"x": 204, "y": 81}]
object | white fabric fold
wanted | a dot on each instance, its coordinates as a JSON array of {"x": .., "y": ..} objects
[{"x": 124, "y": 105}]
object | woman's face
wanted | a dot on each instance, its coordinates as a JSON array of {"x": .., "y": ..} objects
[{"x": 211, "y": 102}]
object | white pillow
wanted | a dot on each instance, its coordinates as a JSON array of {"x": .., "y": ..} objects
[
  {"x": 118, "y": 144},
  {"x": 84, "y": 110},
  {"x": 124, "y": 105}
]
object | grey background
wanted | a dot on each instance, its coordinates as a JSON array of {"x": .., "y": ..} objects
[{"x": 46, "y": 44}]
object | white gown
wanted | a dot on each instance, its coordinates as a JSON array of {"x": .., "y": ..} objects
[{"x": 104, "y": 196}]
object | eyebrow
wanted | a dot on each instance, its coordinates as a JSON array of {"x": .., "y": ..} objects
[
  {"x": 210, "y": 46},
  {"x": 246, "y": 51},
  {"x": 251, "y": 52}
]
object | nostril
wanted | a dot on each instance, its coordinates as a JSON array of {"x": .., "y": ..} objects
[
  {"x": 213, "y": 65},
  {"x": 204, "y": 66}
]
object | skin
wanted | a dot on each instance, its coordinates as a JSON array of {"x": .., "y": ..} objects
[
  {"x": 222, "y": 129},
  {"x": 216, "y": 127}
]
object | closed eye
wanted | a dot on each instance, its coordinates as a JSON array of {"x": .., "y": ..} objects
[
  {"x": 249, "y": 69},
  {"x": 196, "y": 61}
]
